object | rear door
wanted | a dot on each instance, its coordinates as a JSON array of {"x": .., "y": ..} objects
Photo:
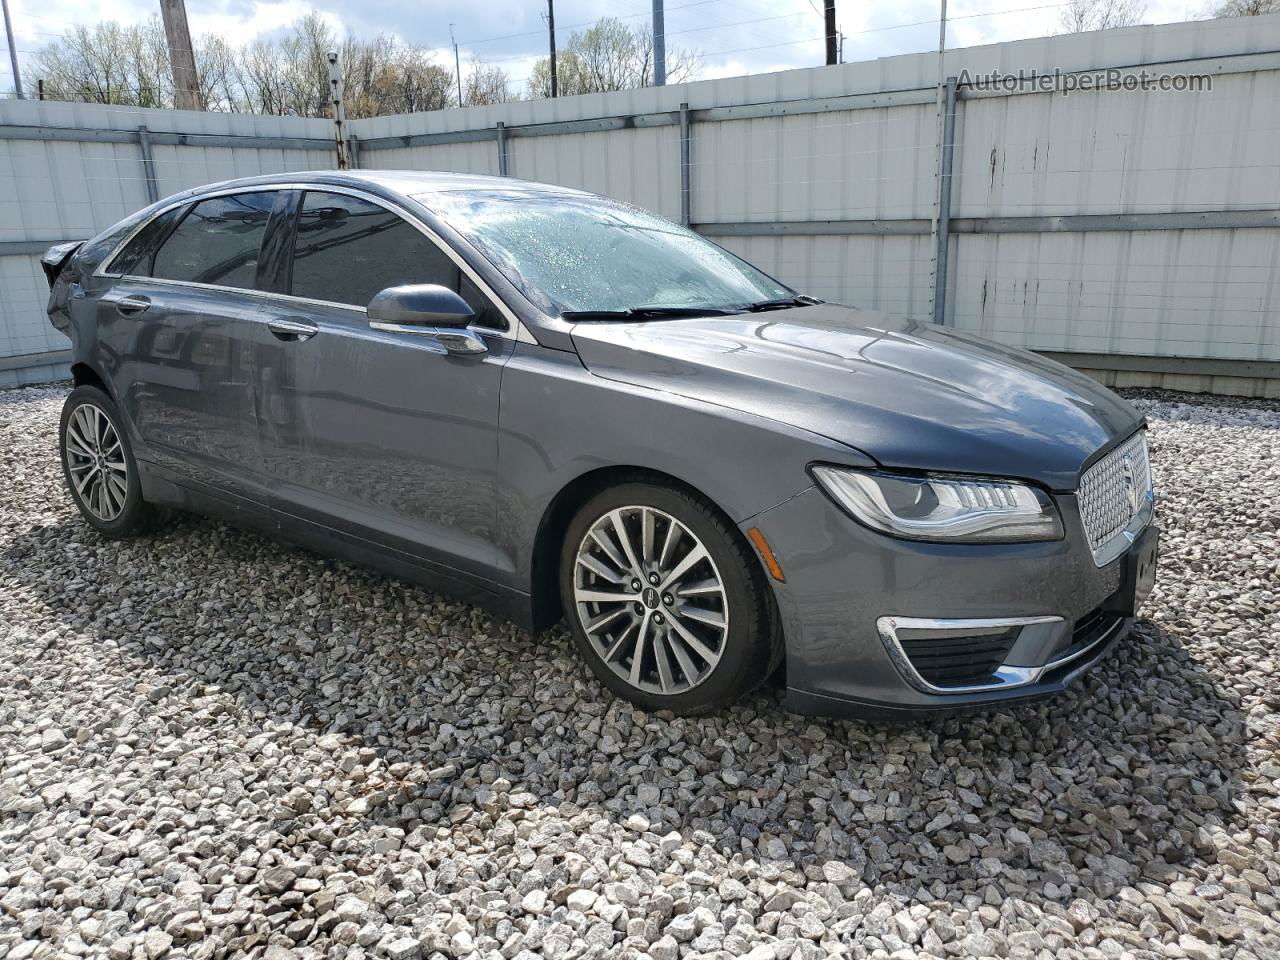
[
  {"x": 379, "y": 437},
  {"x": 184, "y": 320}
]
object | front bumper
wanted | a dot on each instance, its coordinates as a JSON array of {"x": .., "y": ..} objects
[{"x": 856, "y": 605}]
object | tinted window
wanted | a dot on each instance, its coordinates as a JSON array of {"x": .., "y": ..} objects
[
  {"x": 348, "y": 249},
  {"x": 218, "y": 241},
  {"x": 137, "y": 256}
]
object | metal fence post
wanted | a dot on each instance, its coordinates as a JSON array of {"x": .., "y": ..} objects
[
  {"x": 947, "y": 148},
  {"x": 148, "y": 164},
  {"x": 502, "y": 149},
  {"x": 339, "y": 111},
  {"x": 684, "y": 164},
  {"x": 353, "y": 151}
]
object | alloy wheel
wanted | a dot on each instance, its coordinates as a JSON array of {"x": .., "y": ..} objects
[
  {"x": 650, "y": 599},
  {"x": 96, "y": 462}
]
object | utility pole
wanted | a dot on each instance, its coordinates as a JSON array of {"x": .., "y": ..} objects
[
  {"x": 457, "y": 65},
  {"x": 13, "y": 50},
  {"x": 182, "y": 60},
  {"x": 659, "y": 46},
  {"x": 551, "y": 29},
  {"x": 339, "y": 110},
  {"x": 829, "y": 14}
]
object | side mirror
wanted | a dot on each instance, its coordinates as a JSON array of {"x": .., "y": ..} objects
[{"x": 418, "y": 305}]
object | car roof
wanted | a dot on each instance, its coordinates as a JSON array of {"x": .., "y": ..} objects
[{"x": 409, "y": 183}]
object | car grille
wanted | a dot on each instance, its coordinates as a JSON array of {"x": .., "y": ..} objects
[
  {"x": 1114, "y": 490},
  {"x": 959, "y": 661}
]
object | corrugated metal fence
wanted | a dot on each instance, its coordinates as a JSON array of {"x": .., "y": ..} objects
[{"x": 1135, "y": 233}]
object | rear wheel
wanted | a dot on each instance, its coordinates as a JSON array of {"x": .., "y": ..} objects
[
  {"x": 666, "y": 603},
  {"x": 99, "y": 467}
]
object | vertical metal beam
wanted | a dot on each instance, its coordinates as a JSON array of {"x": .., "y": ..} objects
[
  {"x": 684, "y": 164},
  {"x": 13, "y": 50},
  {"x": 939, "y": 122},
  {"x": 659, "y": 46},
  {"x": 943, "y": 236},
  {"x": 148, "y": 164},
  {"x": 502, "y": 149},
  {"x": 353, "y": 151}
]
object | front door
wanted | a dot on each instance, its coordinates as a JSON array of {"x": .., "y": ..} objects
[
  {"x": 183, "y": 321},
  {"x": 378, "y": 436}
]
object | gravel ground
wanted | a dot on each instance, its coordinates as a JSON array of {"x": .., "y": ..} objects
[{"x": 211, "y": 745}]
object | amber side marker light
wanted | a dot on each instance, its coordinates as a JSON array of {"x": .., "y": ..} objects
[{"x": 766, "y": 554}]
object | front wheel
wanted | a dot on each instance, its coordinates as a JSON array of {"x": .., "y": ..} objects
[
  {"x": 666, "y": 603},
  {"x": 99, "y": 467}
]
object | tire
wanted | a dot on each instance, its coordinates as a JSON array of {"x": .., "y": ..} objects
[
  {"x": 99, "y": 468},
  {"x": 715, "y": 624}
]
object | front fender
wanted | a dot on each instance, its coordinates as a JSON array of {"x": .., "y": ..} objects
[{"x": 558, "y": 421}]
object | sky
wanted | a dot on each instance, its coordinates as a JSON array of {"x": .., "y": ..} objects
[{"x": 732, "y": 37}]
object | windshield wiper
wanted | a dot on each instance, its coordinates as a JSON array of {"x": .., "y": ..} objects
[
  {"x": 646, "y": 313},
  {"x": 782, "y": 303}
]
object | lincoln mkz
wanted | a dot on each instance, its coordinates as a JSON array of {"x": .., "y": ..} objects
[{"x": 556, "y": 405}]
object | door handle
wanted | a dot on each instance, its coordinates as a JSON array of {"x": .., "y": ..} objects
[
  {"x": 291, "y": 329},
  {"x": 133, "y": 305}
]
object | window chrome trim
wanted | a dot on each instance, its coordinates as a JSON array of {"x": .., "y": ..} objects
[{"x": 516, "y": 329}]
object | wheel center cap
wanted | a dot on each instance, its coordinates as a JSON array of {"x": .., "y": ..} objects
[{"x": 651, "y": 598}]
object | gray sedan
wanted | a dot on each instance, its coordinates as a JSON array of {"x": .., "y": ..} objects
[{"x": 559, "y": 406}]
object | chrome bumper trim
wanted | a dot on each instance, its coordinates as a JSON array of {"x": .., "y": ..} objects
[{"x": 1006, "y": 676}]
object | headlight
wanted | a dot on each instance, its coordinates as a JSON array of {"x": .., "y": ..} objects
[{"x": 944, "y": 508}]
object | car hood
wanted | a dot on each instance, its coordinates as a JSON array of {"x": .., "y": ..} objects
[{"x": 911, "y": 395}]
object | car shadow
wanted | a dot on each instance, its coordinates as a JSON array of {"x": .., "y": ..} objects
[{"x": 1123, "y": 778}]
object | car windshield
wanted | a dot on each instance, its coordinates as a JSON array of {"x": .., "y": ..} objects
[{"x": 577, "y": 254}]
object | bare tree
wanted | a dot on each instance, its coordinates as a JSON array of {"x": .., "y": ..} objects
[
  {"x": 97, "y": 65},
  {"x": 218, "y": 70},
  {"x": 262, "y": 81},
  {"x": 418, "y": 83},
  {"x": 609, "y": 56},
  {"x": 110, "y": 63},
  {"x": 1247, "y": 8},
  {"x": 306, "y": 66},
  {"x": 1080, "y": 16},
  {"x": 484, "y": 84}
]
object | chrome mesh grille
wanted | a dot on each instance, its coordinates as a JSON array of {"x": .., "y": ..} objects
[{"x": 1114, "y": 490}]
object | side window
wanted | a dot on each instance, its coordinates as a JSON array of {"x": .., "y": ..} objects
[
  {"x": 218, "y": 241},
  {"x": 135, "y": 260},
  {"x": 348, "y": 249}
]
